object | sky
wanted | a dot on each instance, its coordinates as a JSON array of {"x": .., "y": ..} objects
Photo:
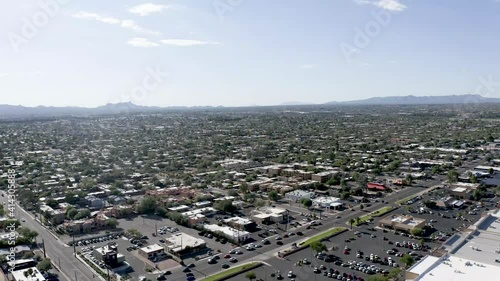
[{"x": 244, "y": 52}]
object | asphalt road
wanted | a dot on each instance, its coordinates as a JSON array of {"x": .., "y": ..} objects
[
  {"x": 268, "y": 252},
  {"x": 57, "y": 251},
  {"x": 72, "y": 269}
]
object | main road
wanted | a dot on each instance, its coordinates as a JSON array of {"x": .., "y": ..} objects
[{"x": 61, "y": 254}]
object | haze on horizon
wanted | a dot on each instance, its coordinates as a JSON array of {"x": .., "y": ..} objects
[{"x": 239, "y": 53}]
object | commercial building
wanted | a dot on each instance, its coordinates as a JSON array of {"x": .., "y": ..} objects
[
  {"x": 298, "y": 195},
  {"x": 230, "y": 233},
  {"x": 401, "y": 222},
  {"x": 379, "y": 186},
  {"x": 28, "y": 274},
  {"x": 462, "y": 190},
  {"x": 152, "y": 251},
  {"x": 473, "y": 254},
  {"x": 184, "y": 245},
  {"x": 109, "y": 255},
  {"x": 327, "y": 202},
  {"x": 268, "y": 215},
  {"x": 323, "y": 176},
  {"x": 241, "y": 223}
]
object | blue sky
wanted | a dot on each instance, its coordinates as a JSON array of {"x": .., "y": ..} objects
[{"x": 245, "y": 52}]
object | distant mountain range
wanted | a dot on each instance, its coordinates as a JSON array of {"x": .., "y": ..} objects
[
  {"x": 11, "y": 111},
  {"x": 414, "y": 100}
]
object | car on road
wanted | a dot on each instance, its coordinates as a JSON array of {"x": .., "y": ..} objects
[
  {"x": 225, "y": 265},
  {"x": 233, "y": 260}
]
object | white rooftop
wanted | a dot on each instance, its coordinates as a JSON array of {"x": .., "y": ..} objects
[
  {"x": 152, "y": 248},
  {"x": 460, "y": 269},
  {"x": 180, "y": 241},
  {"x": 35, "y": 276}
]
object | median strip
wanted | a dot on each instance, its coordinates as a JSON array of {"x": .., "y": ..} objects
[
  {"x": 405, "y": 200},
  {"x": 226, "y": 274},
  {"x": 367, "y": 217},
  {"x": 322, "y": 236}
]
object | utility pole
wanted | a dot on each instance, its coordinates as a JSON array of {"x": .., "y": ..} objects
[
  {"x": 43, "y": 247},
  {"x": 156, "y": 229},
  {"x": 74, "y": 244}
]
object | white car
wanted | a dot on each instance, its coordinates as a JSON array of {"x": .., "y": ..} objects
[{"x": 290, "y": 274}]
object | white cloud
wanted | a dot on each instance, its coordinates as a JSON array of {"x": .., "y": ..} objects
[
  {"x": 147, "y": 8},
  {"x": 128, "y": 24},
  {"x": 142, "y": 42},
  {"x": 3, "y": 74},
  {"x": 390, "y": 5},
  {"x": 186, "y": 42}
]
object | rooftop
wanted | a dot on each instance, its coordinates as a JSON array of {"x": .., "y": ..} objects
[
  {"x": 180, "y": 241},
  {"x": 152, "y": 248},
  {"x": 35, "y": 276}
]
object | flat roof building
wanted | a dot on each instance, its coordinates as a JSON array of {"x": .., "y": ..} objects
[
  {"x": 298, "y": 195},
  {"x": 36, "y": 275},
  {"x": 470, "y": 255},
  {"x": 402, "y": 222},
  {"x": 267, "y": 215},
  {"x": 229, "y": 232},
  {"x": 241, "y": 223},
  {"x": 151, "y": 251},
  {"x": 182, "y": 244}
]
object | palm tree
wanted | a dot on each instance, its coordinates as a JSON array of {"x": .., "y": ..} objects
[
  {"x": 351, "y": 221},
  {"x": 357, "y": 220}
]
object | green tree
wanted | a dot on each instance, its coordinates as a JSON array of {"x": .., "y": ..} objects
[
  {"x": 71, "y": 213},
  {"x": 352, "y": 221},
  {"x": 112, "y": 222},
  {"x": 225, "y": 206},
  {"x": 306, "y": 202},
  {"x": 417, "y": 231},
  {"x": 45, "y": 265},
  {"x": 133, "y": 232},
  {"x": 409, "y": 179},
  {"x": 147, "y": 205},
  {"x": 244, "y": 188},
  {"x": 273, "y": 195},
  {"x": 250, "y": 275},
  {"x": 27, "y": 233},
  {"x": 346, "y": 195},
  {"x": 52, "y": 203},
  {"x": 318, "y": 246},
  {"x": 82, "y": 214},
  {"x": 162, "y": 212},
  {"x": 407, "y": 260},
  {"x": 477, "y": 194},
  {"x": 452, "y": 176}
]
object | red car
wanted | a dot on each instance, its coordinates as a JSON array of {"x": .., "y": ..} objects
[{"x": 227, "y": 256}]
